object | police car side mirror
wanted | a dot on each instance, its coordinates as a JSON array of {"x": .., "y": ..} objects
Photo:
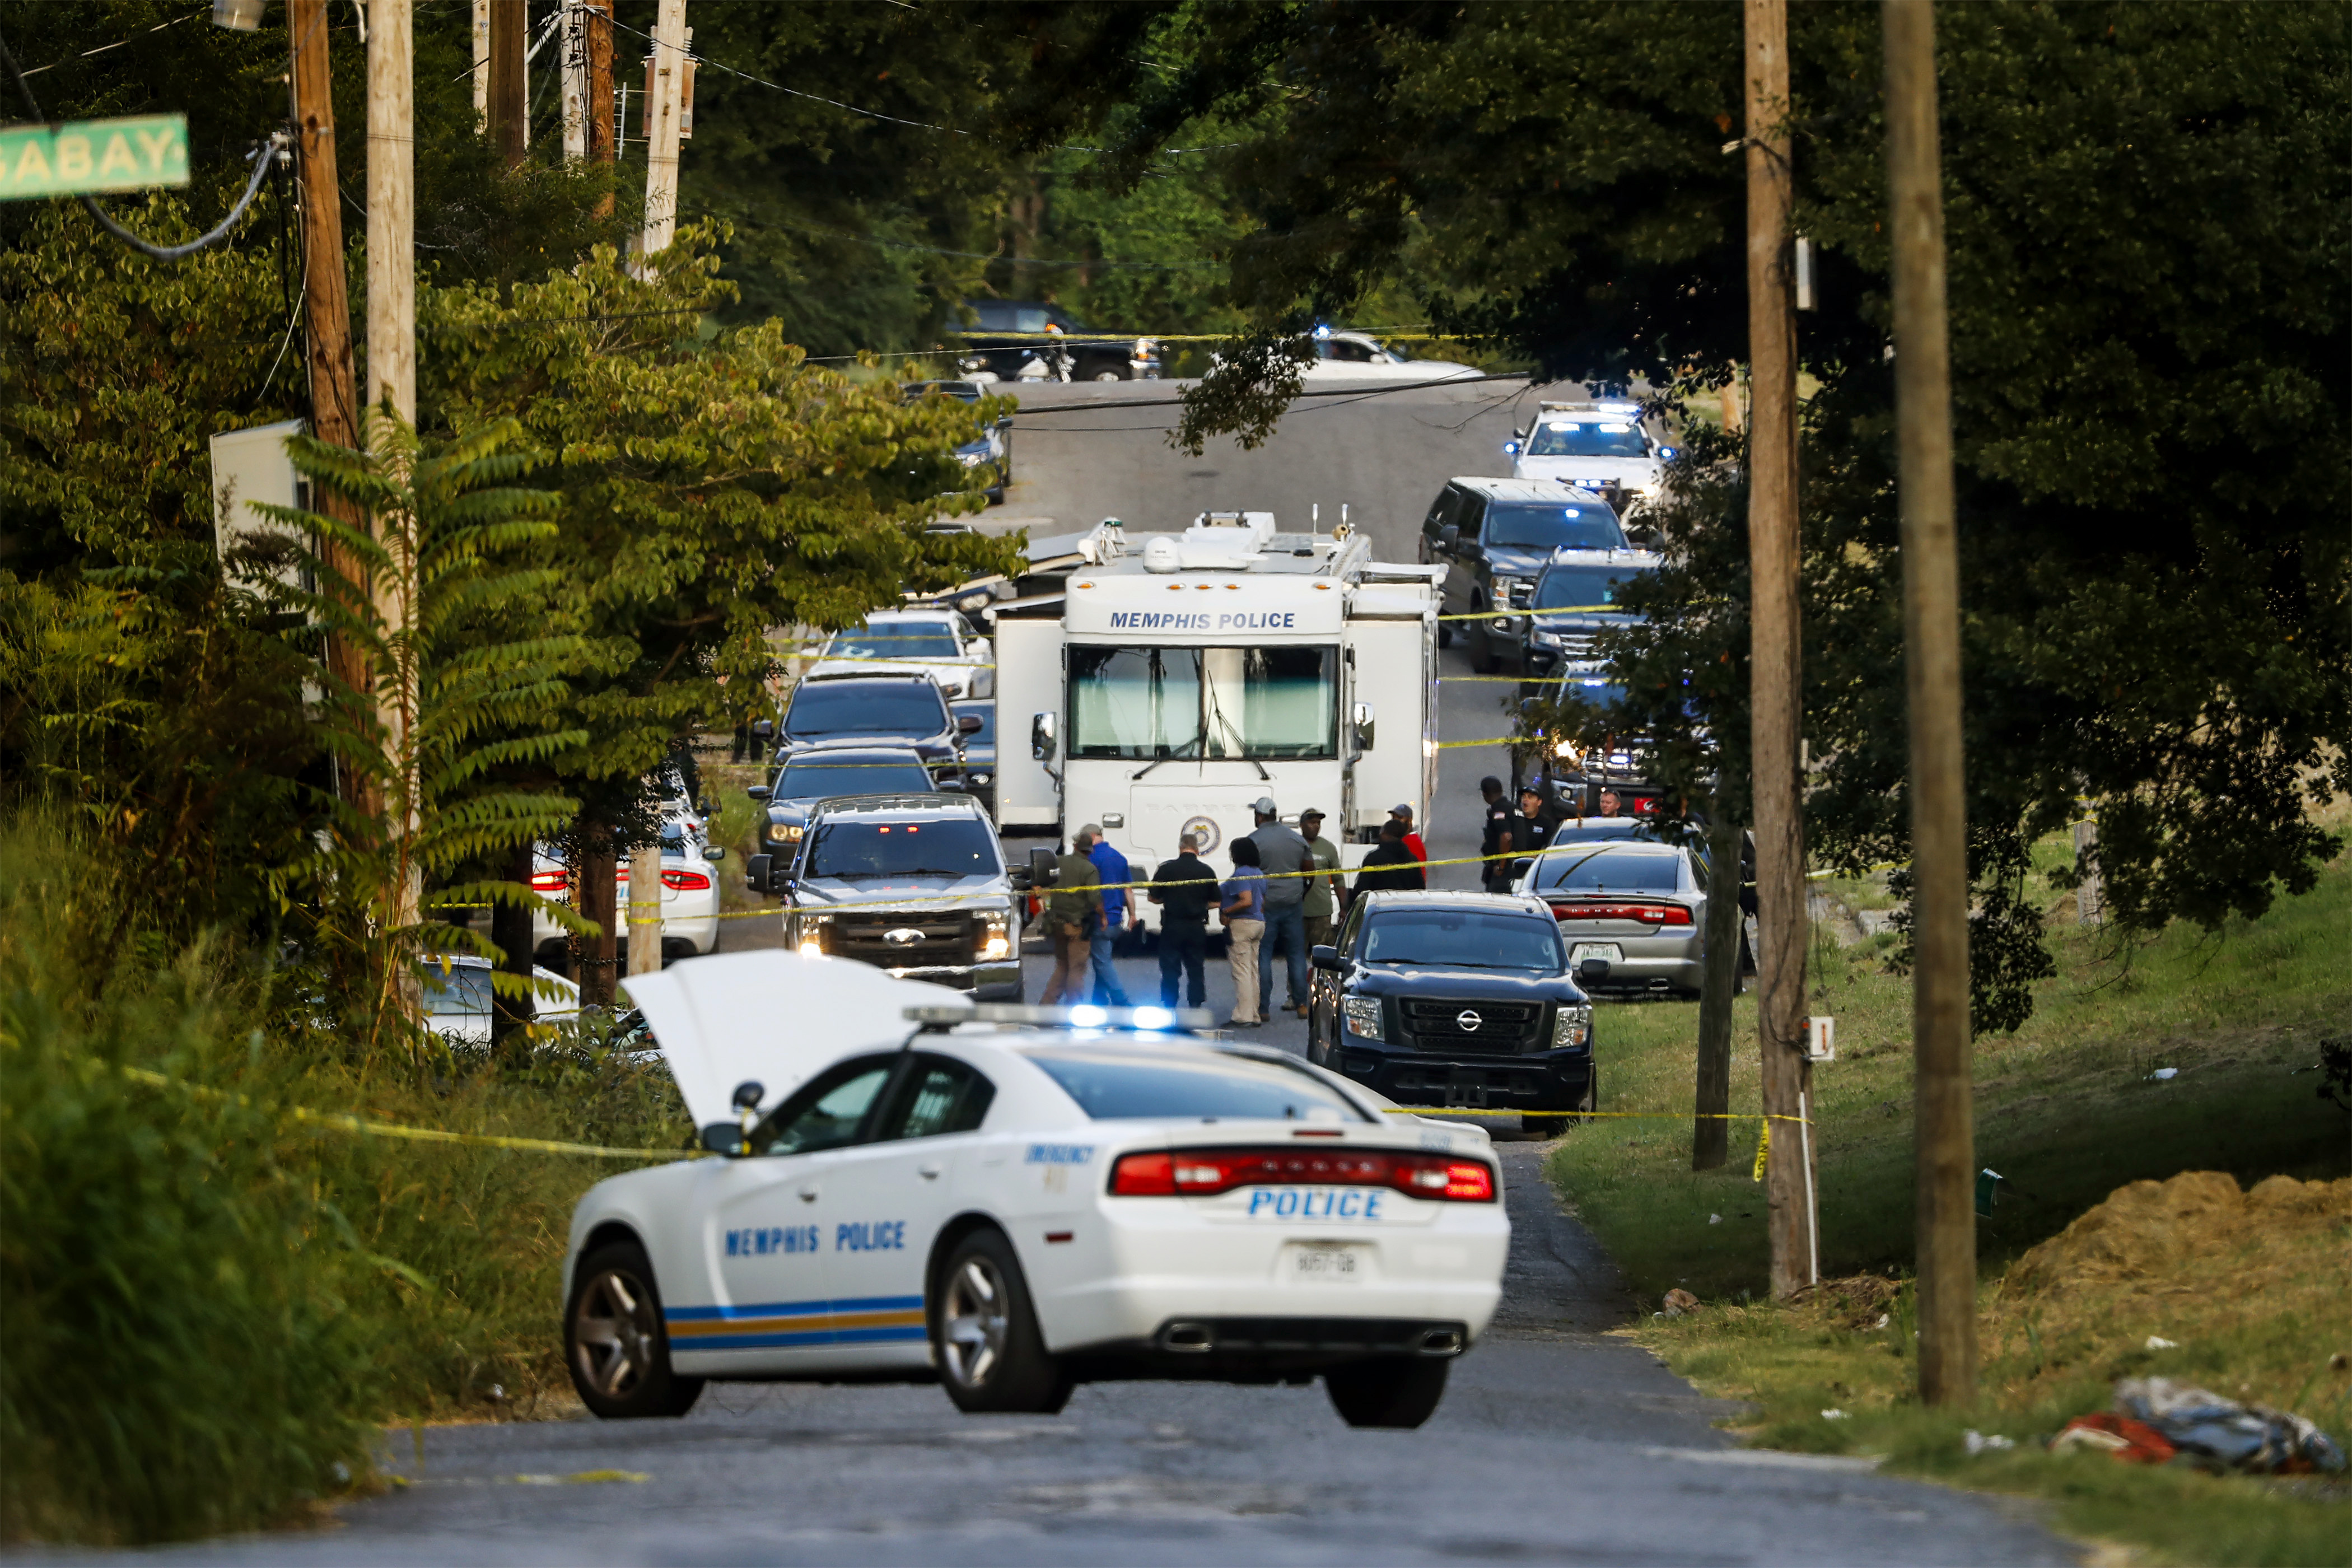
[
  {"x": 1449, "y": 538},
  {"x": 723, "y": 1137},
  {"x": 968, "y": 725},
  {"x": 715, "y": 852},
  {"x": 1328, "y": 958},
  {"x": 756, "y": 872},
  {"x": 1017, "y": 878},
  {"x": 1044, "y": 871},
  {"x": 759, "y": 792},
  {"x": 748, "y": 1094}
]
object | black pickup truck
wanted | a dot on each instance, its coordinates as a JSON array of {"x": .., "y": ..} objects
[{"x": 1007, "y": 335}]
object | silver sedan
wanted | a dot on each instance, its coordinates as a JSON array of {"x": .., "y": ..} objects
[{"x": 1638, "y": 907}]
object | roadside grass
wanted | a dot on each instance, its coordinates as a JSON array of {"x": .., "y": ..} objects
[
  {"x": 2068, "y": 1112},
  {"x": 206, "y": 1302}
]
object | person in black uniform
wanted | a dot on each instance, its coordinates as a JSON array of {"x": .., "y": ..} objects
[
  {"x": 1495, "y": 845},
  {"x": 1183, "y": 888},
  {"x": 1390, "y": 868},
  {"x": 1536, "y": 823}
]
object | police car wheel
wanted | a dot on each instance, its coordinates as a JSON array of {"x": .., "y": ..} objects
[
  {"x": 613, "y": 1341},
  {"x": 1394, "y": 1392},
  {"x": 984, "y": 1336}
]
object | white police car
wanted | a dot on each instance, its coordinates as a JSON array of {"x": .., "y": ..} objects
[
  {"x": 1600, "y": 447},
  {"x": 1015, "y": 1203}
]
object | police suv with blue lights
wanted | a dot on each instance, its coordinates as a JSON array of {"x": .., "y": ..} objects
[{"x": 1012, "y": 1201}]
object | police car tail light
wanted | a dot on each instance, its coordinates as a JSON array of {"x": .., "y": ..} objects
[
  {"x": 685, "y": 881},
  {"x": 549, "y": 881},
  {"x": 1206, "y": 1173}
]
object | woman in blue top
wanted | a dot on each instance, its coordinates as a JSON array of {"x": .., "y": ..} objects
[{"x": 1243, "y": 910}]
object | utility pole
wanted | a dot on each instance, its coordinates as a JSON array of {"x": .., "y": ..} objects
[
  {"x": 603, "y": 140},
  {"x": 1776, "y": 691},
  {"x": 1943, "y": 1090},
  {"x": 662, "y": 127},
  {"x": 572, "y": 79},
  {"x": 392, "y": 394},
  {"x": 481, "y": 65},
  {"x": 509, "y": 103},
  {"x": 327, "y": 328}
]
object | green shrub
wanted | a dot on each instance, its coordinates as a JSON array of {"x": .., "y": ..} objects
[{"x": 174, "y": 1355}]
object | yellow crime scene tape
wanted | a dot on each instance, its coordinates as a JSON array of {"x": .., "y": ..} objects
[{"x": 344, "y": 1122}]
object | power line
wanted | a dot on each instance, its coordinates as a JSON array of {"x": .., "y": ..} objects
[
  {"x": 118, "y": 43},
  {"x": 977, "y": 254}
]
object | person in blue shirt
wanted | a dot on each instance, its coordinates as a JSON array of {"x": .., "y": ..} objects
[
  {"x": 1244, "y": 908},
  {"x": 1110, "y": 871}
]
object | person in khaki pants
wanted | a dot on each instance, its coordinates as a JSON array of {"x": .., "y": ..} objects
[
  {"x": 1244, "y": 911},
  {"x": 1073, "y": 910}
]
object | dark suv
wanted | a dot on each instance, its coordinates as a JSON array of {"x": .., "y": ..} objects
[
  {"x": 1494, "y": 536},
  {"x": 1454, "y": 999},
  {"x": 1006, "y": 334},
  {"x": 897, "y": 710}
]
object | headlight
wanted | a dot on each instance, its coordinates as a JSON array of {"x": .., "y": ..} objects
[
  {"x": 812, "y": 933},
  {"x": 785, "y": 832},
  {"x": 1547, "y": 639},
  {"x": 1364, "y": 1018},
  {"x": 995, "y": 934},
  {"x": 1571, "y": 1026}
]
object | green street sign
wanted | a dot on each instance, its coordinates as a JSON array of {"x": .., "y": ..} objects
[{"x": 93, "y": 155}]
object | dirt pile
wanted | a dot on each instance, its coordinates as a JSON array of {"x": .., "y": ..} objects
[{"x": 2188, "y": 1277}]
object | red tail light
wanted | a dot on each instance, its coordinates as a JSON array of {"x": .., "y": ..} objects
[
  {"x": 1205, "y": 1173},
  {"x": 1648, "y": 914},
  {"x": 549, "y": 881},
  {"x": 687, "y": 881}
]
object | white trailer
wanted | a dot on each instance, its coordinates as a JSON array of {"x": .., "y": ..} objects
[{"x": 1184, "y": 676}]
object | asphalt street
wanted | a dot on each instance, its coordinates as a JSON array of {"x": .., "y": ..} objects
[{"x": 1556, "y": 1442}]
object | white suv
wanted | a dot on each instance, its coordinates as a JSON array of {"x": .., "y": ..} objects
[{"x": 1602, "y": 447}]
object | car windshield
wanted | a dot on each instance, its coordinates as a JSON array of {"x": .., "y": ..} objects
[
  {"x": 896, "y": 639},
  {"x": 1583, "y": 587},
  {"x": 1463, "y": 939},
  {"x": 1549, "y": 525},
  {"x": 859, "y": 708},
  {"x": 849, "y": 850},
  {"x": 462, "y": 990},
  {"x": 1114, "y": 1087},
  {"x": 986, "y": 713},
  {"x": 1149, "y": 703},
  {"x": 1610, "y": 867},
  {"x": 812, "y": 776},
  {"x": 1583, "y": 436}
]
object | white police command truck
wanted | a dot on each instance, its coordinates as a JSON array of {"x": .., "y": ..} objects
[
  {"x": 1012, "y": 1201},
  {"x": 1182, "y": 677}
]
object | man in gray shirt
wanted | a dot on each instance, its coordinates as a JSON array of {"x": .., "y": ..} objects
[{"x": 1283, "y": 855}]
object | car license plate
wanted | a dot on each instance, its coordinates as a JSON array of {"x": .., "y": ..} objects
[
  {"x": 1607, "y": 951},
  {"x": 1333, "y": 1263}
]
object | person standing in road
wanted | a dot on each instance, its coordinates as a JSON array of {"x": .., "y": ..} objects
[
  {"x": 1494, "y": 842},
  {"x": 1411, "y": 840},
  {"x": 1282, "y": 855},
  {"x": 1610, "y": 805},
  {"x": 1073, "y": 911},
  {"x": 1326, "y": 889},
  {"x": 1390, "y": 868},
  {"x": 1243, "y": 909},
  {"x": 1536, "y": 823},
  {"x": 1183, "y": 888},
  {"x": 1111, "y": 875}
]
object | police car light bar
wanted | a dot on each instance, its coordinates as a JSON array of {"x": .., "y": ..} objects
[{"x": 1147, "y": 1019}]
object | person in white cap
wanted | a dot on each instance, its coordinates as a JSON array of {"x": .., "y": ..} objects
[{"x": 1283, "y": 855}]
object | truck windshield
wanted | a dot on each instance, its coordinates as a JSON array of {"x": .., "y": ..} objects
[
  {"x": 1147, "y": 703},
  {"x": 866, "y": 708},
  {"x": 1463, "y": 939},
  {"x": 1530, "y": 525},
  {"x": 1583, "y": 587},
  {"x": 939, "y": 846},
  {"x": 1587, "y": 438}
]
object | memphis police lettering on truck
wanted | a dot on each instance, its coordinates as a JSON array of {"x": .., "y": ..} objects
[{"x": 1239, "y": 621}]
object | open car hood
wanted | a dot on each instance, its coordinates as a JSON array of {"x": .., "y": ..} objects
[{"x": 771, "y": 1016}]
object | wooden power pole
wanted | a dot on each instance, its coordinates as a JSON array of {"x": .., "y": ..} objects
[
  {"x": 663, "y": 126},
  {"x": 510, "y": 104},
  {"x": 1931, "y": 633},
  {"x": 1710, "y": 1134},
  {"x": 327, "y": 326},
  {"x": 1777, "y": 674}
]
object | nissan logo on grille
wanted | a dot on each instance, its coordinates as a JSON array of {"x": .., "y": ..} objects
[
  {"x": 902, "y": 936},
  {"x": 1467, "y": 1021}
]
